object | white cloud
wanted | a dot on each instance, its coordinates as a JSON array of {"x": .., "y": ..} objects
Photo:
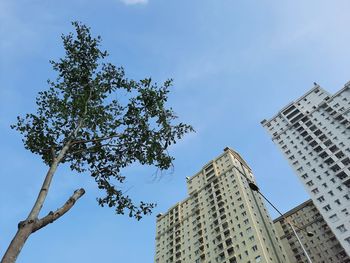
[{"x": 134, "y": 2}]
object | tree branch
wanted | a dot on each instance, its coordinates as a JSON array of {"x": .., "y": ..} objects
[
  {"x": 53, "y": 216},
  {"x": 70, "y": 157},
  {"x": 33, "y": 215},
  {"x": 96, "y": 139}
]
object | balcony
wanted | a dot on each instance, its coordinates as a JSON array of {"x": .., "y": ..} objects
[
  {"x": 341, "y": 175},
  {"x": 347, "y": 183}
]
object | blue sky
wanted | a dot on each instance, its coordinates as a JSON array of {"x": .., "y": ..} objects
[{"x": 234, "y": 63}]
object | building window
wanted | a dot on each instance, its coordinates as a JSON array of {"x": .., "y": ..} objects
[
  {"x": 310, "y": 183},
  {"x": 327, "y": 208},
  {"x": 315, "y": 191},
  {"x": 347, "y": 240},
  {"x": 341, "y": 228},
  {"x": 333, "y": 218},
  {"x": 320, "y": 199}
]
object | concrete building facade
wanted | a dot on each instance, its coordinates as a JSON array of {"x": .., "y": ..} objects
[
  {"x": 322, "y": 247},
  {"x": 222, "y": 220},
  {"x": 313, "y": 133}
]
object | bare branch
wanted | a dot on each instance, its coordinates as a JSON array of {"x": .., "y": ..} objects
[
  {"x": 46, "y": 184},
  {"x": 53, "y": 154},
  {"x": 53, "y": 216}
]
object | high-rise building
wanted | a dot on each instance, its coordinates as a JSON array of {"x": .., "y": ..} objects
[
  {"x": 321, "y": 247},
  {"x": 222, "y": 220},
  {"x": 313, "y": 133}
]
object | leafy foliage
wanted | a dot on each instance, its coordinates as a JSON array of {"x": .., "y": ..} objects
[{"x": 105, "y": 121}]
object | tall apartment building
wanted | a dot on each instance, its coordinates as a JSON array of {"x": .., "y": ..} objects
[
  {"x": 222, "y": 220},
  {"x": 322, "y": 247},
  {"x": 313, "y": 133}
]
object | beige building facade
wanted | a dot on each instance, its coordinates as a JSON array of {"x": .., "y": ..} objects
[
  {"x": 322, "y": 247},
  {"x": 221, "y": 221}
]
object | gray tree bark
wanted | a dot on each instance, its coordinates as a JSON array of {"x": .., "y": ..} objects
[
  {"x": 23, "y": 232},
  {"x": 26, "y": 228},
  {"x": 32, "y": 223}
]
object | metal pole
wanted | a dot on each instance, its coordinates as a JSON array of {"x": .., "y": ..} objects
[
  {"x": 301, "y": 244},
  {"x": 291, "y": 225},
  {"x": 255, "y": 188}
]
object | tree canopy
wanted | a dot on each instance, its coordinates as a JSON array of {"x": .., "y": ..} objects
[{"x": 98, "y": 121}]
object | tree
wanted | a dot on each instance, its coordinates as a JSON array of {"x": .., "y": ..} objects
[{"x": 97, "y": 121}]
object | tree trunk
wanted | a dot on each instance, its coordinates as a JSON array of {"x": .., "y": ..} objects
[
  {"x": 32, "y": 223},
  {"x": 26, "y": 228},
  {"x": 12, "y": 252}
]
